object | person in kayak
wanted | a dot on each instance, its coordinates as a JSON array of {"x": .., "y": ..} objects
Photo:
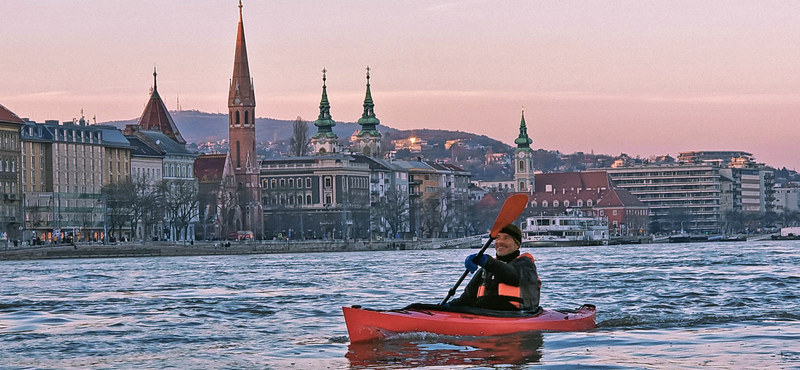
[{"x": 507, "y": 282}]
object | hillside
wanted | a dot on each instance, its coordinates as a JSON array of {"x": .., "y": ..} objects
[{"x": 199, "y": 127}]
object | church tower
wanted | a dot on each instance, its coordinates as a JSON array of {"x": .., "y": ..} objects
[
  {"x": 523, "y": 159},
  {"x": 156, "y": 116},
  {"x": 325, "y": 140},
  {"x": 242, "y": 136},
  {"x": 368, "y": 140}
]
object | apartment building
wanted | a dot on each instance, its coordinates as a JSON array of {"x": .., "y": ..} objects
[
  {"x": 10, "y": 213},
  {"x": 64, "y": 167},
  {"x": 680, "y": 196}
]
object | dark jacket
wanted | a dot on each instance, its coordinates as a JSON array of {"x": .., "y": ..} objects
[{"x": 519, "y": 272}]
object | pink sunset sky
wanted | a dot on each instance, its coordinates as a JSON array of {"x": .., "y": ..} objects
[{"x": 639, "y": 77}]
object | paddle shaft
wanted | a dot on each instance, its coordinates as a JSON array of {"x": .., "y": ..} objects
[{"x": 452, "y": 291}]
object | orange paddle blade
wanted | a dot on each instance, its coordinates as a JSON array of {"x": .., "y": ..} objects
[{"x": 512, "y": 208}]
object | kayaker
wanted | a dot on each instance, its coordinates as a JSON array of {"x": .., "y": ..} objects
[{"x": 507, "y": 282}]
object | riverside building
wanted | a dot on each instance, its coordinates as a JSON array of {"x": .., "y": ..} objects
[
  {"x": 64, "y": 167},
  {"x": 695, "y": 197},
  {"x": 11, "y": 215}
]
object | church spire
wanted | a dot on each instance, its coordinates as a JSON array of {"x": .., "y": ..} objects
[
  {"x": 156, "y": 115},
  {"x": 155, "y": 81},
  {"x": 241, "y": 93},
  {"x": 368, "y": 121},
  {"x": 324, "y": 122},
  {"x": 523, "y": 141}
]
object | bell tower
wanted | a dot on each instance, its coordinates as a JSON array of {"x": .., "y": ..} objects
[
  {"x": 242, "y": 137},
  {"x": 325, "y": 141},
  {"x": 523, "y": 159},
  {"x": 368, "y": 140}
]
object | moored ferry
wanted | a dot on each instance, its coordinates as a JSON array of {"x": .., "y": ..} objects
[{"x": 571, "y": 229}]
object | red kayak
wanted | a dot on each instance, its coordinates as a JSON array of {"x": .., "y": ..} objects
[{"x": 366, "y": 325}]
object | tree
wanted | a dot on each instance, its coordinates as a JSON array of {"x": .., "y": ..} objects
[
  {"x": 300, "y": 140},
  {"x": 391, "y": 212},
  {"x": 119, "y": 202},
  {"x": 431, "y": 218},
  {"x": 464, "y": 218},
  {"x": 180, "y": 199}
]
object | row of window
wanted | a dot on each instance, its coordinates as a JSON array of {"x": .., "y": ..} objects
[
  {"x": 291, "y": 183},
  {"x": 8, "y": 164},
  {"x": 178, "y": 170},
  {"x": 236, "y": 118},
  {"x": 298, "y": 199},
  {"x": 150, "y": 173},
  {"x": 566, "y": 203},
  {"x": 9, "y": 140},
  {"x": 9, "y": 187}
]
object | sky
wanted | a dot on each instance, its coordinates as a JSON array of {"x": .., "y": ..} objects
[{"x": 636, "y": 77}]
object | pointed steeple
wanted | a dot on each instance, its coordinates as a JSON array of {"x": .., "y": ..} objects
[
  {"x": 523, "y": 141},
  {"x": 368, "y": 121},
  {"x": 241, "y": 91},
  {"x": 324, "y": 122},
  {"x": 156, "y": 115}
]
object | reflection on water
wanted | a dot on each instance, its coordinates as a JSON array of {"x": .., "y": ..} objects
[{"x": 415, "y": 350}]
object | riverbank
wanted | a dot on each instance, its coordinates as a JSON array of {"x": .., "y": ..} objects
[{"x": 203, "y": 248}]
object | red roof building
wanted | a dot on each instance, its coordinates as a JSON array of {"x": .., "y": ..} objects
[
  {"x": 591, "y": 193},
  {"x": 156, "y": 116},
  {"x": 7, "y": 116}
]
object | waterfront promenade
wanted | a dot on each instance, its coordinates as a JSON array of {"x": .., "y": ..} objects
[{"x": 201, "y": 248}]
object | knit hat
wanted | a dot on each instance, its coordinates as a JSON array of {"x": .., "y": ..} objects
[{"x": 514, "y": 231}]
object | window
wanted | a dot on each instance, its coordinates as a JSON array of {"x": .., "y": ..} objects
[
  {"x": 291, "y": 183},
  {"x": 274, "y": 183},
  {"x": 580, "y": 202},
  {"x": 521, "y": 165},
  {"x": 589, "y": 203},
  {"x": 534, "y": 204},
  {"x": 615, "y": 213},
  {"x": 300, "y": 183},
  {"x": 555, "y": 203},
  {"x": 544, "y": 204},
  {"x": 566, "y": 203},
  {"x": 328, "y": 183},
  {"x": 308, "y": 182},
  {"x": 308, "y": 199}
]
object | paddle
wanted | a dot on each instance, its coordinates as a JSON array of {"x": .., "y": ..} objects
[{"x": 512, "y": 208}]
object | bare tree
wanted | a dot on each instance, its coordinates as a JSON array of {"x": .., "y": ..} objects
[
  {"x": 431, "y": 218},
  {"x": 463, "y": 217},
  {"x": 391, "y": 212},
  {"x": 298, "y": 144},
  {"x": 180, "y": 199},
  {"x": 119, "y": 201}
]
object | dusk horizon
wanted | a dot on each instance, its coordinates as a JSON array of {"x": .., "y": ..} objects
[{"x": 625, "y": 77}]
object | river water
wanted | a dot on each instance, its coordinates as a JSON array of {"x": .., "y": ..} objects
[{"x": 660, "y": 306}]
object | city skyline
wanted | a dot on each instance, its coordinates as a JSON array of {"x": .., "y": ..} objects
[{"x": 639, "y": 78}]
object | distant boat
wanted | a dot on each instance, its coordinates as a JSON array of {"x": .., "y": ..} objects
[
  {"x": 688, "y": 238},
  {"x": 571, "y": 229}
]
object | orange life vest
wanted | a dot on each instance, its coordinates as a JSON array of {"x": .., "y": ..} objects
[{"x": 512, "y": 293}]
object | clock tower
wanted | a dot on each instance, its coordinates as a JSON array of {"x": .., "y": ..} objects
[{"x": 523, "y": 159}]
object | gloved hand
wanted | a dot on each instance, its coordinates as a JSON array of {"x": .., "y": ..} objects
[{"x": 472, "y": 263}]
